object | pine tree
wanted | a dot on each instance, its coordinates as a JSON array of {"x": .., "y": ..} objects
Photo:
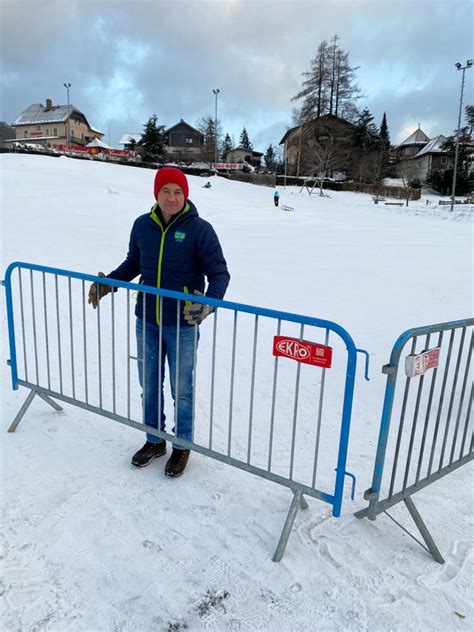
[
  {"x": 366, "y": 136},
  {"x": 384, "y": 134},
  {"x": 226, "y": 145},
  {"x": 270, "y": 159},
  {"x": 385, "y": 143},
  {"x": 206, "y": 125},
  {"x": 469, "y": 112},
  {"x": 153, "y": 139},
  {"x": 465, "y": 150},
  {"x": 367, "y": 152},
  {"x": 244, "y": 141},
  {"x": 330, "y": 86}
]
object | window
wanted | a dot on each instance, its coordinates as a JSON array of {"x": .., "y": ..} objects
[
  {"x": 71, "y": 133},
  {"x": 25, "y": 133},
  {"x": 188, "y": 141},
  {"x": 55, "y": 131},
  {"x": 38, "y": 128},
  {"x": 47, "y": 131},
  {"x": 444, "y": 160}
]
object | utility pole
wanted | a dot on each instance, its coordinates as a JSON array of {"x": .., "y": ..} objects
[
  {"x": 216, "y": 92},
  {"x": 459, "y": 66},
  {"x": 67, "y": 86}
]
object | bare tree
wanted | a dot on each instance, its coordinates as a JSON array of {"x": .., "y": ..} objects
[
  {"x": 372, "y": 167},
  {"x": 323, "y": 154},
  {"x": 407, "y": 170}
]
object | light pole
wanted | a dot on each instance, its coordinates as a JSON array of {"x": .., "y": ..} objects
[
  {"x": 67, "y": 86},
  {"x": 459, "y": 66},
  {"x": 216, "y": 92}
]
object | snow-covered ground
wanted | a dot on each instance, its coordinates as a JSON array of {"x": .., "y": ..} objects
[{"x": 93, "y": 545}]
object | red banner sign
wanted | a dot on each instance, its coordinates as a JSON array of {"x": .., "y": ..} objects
[
  {"x": 227, "y": 165},
  {"x": 419, "y": 364},
  {"x": 121, "y": 153},
  {"x": 302, "y": 351}
]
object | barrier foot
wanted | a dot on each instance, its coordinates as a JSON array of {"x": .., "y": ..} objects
[
  {"x": 22, "y": 411},
  {"x": 26, "y": 405},
  {"x": 422, "y": 528},
  {"x": 50, "y": 401},
  {"x": 297, "y": 502}
]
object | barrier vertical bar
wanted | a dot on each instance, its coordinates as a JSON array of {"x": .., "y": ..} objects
[
  {"x": 320, "y": 414},
  {"x": 160, "y": 361},
  {"x": 84, "y": 337},
  {"x": 73, "y": 380},
  {"x": 144, "y": 371},
  {"x": 414, "y": 422},
  {"x": 58, "y": 322},
  {"x": 22, "y": 312},
  {"x": 196, "y": 337},
  {"x": 345, "y": 425},
  {"x": 128, "y": 353},
  {"x": 440, "y": 405},
  {"x": 427, "y": 416},
  {"x": 272, "y": 417},
  {"x": 466, "y": 424},
  {"x": 33, "y": 312},
  {"x": 461, "y": 399},
  {"x": 252, "y": 389},
  {"x": 176, "y": 388},
  {"x": 232, "y": 377},
  {"x": 451, "y": 399},
  {"x": 46, "y": 331},
  {"x": 401, "y": 424},
  {"x": 213, "y": 372},
  {"x": 99, "y": 344},
  {"x": 295, "y": 411},
  {"x": 112, "y": 307}
]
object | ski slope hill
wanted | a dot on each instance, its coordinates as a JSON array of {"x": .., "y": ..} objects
[{"x": 93, "y": 545}]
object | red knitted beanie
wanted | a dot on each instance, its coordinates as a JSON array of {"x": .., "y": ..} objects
[{"x": 171, "y": 175}]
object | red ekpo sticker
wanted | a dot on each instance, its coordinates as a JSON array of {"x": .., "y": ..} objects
[{"x": 302, "y": 351}]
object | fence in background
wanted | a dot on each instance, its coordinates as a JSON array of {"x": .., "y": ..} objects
[
  {"x": 255, "y": 408},
  {"x": 427, "y": 422}
]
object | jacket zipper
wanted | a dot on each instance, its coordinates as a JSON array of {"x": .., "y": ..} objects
[{"x": 160, "y": 256}]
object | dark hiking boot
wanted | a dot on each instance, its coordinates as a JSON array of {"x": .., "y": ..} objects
[
  {"x": 177, "y": 463},
  {"x": 150, "y": 451}
]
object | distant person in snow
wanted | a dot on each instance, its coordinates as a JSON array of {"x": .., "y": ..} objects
[
  {"x": 276, "y": 198},
  {"x": 172, "y": 248}
]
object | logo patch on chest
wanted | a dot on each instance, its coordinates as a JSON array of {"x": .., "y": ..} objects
[{"x": 179, "y": 236}]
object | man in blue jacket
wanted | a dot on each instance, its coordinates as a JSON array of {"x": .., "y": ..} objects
[{"x": 172, "y": 248}]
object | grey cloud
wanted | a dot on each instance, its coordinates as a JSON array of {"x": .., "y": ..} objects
[{"x": 166, "y": 57}]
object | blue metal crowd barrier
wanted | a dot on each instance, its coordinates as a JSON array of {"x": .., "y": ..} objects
[{"x": 62, "y": 350}]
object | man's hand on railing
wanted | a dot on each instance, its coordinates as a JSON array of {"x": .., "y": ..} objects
[
  {"x": 195, "y": 313},
  {"x": 103, "y": 291}
]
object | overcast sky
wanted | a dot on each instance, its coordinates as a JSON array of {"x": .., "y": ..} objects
[{"x": 129, "y": 59}]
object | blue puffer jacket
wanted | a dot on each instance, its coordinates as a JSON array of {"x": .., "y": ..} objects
[{"x": 174, "y": 257}]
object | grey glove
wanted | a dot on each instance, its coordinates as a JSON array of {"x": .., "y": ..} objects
[
  {"x": 195, "y": 313},
  {"x": 103, "y": 291}
]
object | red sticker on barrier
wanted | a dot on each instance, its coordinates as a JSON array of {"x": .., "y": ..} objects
[
  {"x": 419, "y": 364},
  {"x": 302, "y": 351}
]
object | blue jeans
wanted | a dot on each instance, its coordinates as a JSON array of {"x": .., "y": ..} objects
[{"x": 152, "y": 389}]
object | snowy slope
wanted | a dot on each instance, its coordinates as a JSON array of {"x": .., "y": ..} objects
[{"x": 93, "y": 545}]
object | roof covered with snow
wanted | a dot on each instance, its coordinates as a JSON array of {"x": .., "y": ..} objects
[
  {"x": 37, "y": 114},
  {"x": 98, "y": 143},
  {"x": 127, "y": 139},
  {"x": 94, "y": 129},
  {"x": 417, "y": 138},
  {"x": 433, "y": 147}
]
